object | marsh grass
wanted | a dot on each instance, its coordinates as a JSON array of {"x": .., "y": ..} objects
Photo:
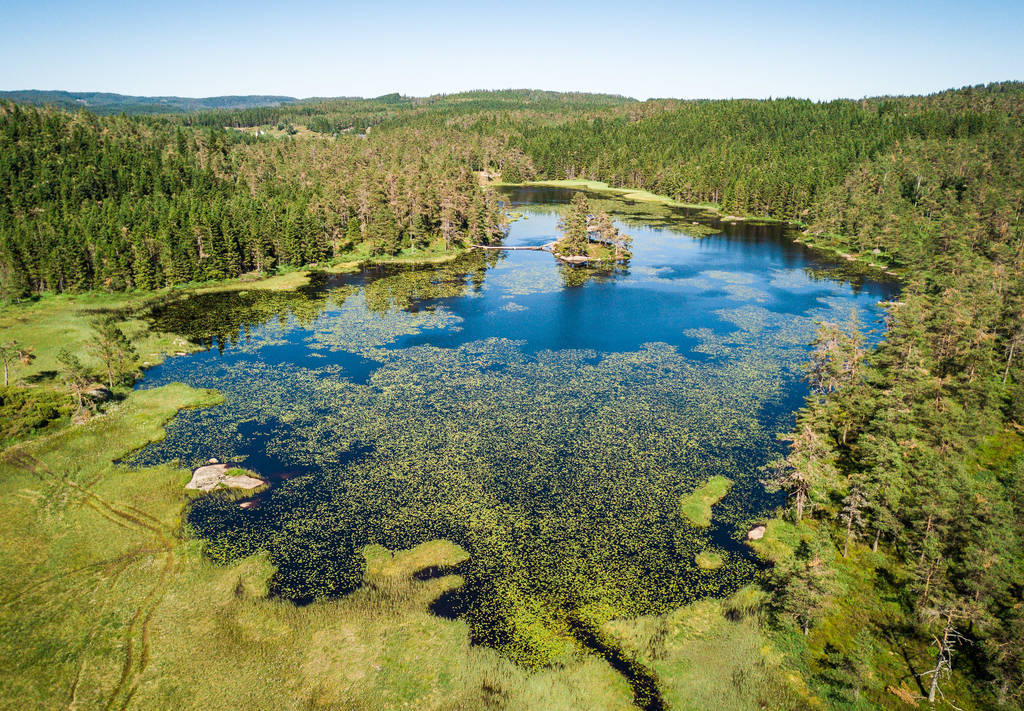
[
  {"x": 707, "y": 661},
  {"x": 696, "y": 506},
  {"x": 781, "y": 538},
  {"x": 709, "y": 560},
  {"x": 747, "y": 602}
]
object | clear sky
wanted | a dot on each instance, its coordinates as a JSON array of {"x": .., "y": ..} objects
[{"x": 683, "y": 49}]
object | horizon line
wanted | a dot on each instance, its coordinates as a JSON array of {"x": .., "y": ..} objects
[{"x": 343, "y": 97}]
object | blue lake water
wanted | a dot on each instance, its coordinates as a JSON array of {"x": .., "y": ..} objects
[{"x": 547, "y": 419}]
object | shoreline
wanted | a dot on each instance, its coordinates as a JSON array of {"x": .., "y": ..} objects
[
  {"x": 286, "y": 280},
  {"x": 634, "y": 194},
  {"x": 714, "y": 210},
  {"x": 52, "y": 321}
]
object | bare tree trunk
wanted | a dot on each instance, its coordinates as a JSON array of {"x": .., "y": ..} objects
[
  {"x": 874, "y": 546},
  {"x": 927, "y": 587},
  {"x": 935, "y": 684},
  {"x": 5, "y": 373},
  {"x": 941, "y": 658}
]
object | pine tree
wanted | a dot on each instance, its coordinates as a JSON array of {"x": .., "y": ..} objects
[
  {"x": 76, "y": 378},
  {"x": 353, "y": 232},
  {"x": 573, "y": 226},
  {"x": 852, "y": 515},
  {"x": 113, "y": 348},
  {"x": 803, "y": 584}
]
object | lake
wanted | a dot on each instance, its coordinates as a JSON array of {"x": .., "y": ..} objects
[{"x": 547, "y": 419}]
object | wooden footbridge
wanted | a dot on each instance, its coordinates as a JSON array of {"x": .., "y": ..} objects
[
  {"x": 549, "y": 247},
  {"x": 543, "y": 248}
]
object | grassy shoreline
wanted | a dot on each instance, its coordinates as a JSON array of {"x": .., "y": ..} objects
[
  {"x": 814, "y": 242},
  {"x": 601, "y": 186}
]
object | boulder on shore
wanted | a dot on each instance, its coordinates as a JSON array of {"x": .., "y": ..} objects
[
  {"x": 213, "y": 476},
  {"x": 756, "y": 533},
  {"x": 99, "y": 393}
]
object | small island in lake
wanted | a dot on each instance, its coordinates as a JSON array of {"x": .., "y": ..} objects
[{"x": 590, "y": 238}]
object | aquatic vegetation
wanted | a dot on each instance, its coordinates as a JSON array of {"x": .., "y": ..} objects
[
  {"x": 730, "y": 277},
  {"x": 742, "y": 292},
  {"x": 356, "y": 327},
  {"x": 709, "y": 560},
  {"x": 525, "y": 279},
  {"x": 393, "y": 407}
]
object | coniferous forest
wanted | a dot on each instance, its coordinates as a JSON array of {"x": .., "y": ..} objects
[
  {"x": 118, "y": 203},
  {"x": 903, "y": 474}
]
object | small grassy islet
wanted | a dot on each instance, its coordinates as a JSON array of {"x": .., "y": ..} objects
[{"x": 696, "y": 506}]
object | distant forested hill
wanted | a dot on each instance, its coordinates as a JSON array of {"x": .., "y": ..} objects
[
  {"x": 236, "y": 110},
  {"x": 334, "y": 115},
  {"x": 105, "y": 103}
]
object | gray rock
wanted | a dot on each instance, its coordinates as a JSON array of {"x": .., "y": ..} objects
[
  {"x": 212, "y": 476},
  {"x": 99, "y": 393}
]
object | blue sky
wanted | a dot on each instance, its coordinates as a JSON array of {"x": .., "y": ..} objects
[{"x": 683, "y": 49}]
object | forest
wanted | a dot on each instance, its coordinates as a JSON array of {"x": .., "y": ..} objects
[
  {"x": 904, "y": 474},
  {"x": 120, "y": 204}
]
